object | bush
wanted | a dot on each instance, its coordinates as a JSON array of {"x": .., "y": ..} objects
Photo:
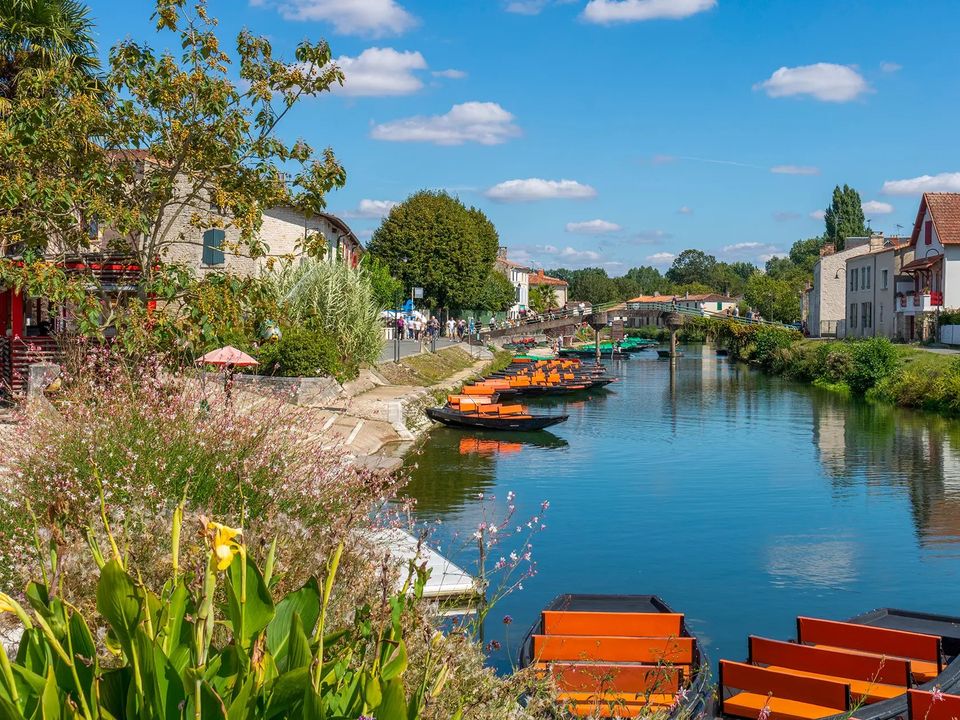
[
  {"x": 301, "y": 352},
  {"x": 871, "y": 361},
  {"x": 768, "y": 342}
]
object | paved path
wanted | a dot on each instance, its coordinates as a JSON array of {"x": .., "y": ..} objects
[{"x": 412, "y": 347}]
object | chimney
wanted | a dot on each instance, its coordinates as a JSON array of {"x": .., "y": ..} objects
[
  {"x": 828, "y": 249},
  {"x": 877, "y": 241},
  {"x": 502, "y": 252}
]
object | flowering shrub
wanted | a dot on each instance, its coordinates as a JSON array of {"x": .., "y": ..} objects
[{"x": 142, "y": 440}]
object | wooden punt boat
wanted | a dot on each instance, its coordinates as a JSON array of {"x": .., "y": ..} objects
[
  {"x": 665, "y": 354},
  {"x": 864, "y": 667},
  {"x": 518, "y": 421},
  {"x": 619, "y": 656},
  {"x": 470, "y": 411}
]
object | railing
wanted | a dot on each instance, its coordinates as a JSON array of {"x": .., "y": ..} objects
[{"x": 16, "y": 355}]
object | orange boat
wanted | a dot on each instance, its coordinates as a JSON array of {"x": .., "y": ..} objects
[{"x": 619, "y": 656}]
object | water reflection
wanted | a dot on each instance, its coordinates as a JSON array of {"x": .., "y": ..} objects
[{"x": 884, "y": 448}]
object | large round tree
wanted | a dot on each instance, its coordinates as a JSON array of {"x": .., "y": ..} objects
[{"x": 431, "y": 240}]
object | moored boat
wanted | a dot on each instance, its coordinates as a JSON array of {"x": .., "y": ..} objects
[
  {"x": 473, "y": 411},
  {"x": 665, "y": 354},
  {"x": 620, "y": 656},
  {"x": 863, "y": 667}
]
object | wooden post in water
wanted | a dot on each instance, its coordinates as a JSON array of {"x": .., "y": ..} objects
[
  {"x": 674, "y": 321},
  {"x": 598, "y": 321}
]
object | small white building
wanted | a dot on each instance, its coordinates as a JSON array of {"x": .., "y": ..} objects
[
  {"x": 826, "y": 302},
  {"x": 519, "y": 277},
  {"x": 560, "y": 287}
]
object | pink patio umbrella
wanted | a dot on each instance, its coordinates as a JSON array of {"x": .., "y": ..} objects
[{"x": 227, "y": 357}]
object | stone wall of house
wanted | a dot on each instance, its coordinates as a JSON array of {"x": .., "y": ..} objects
[{"x": 828, "y": 310}]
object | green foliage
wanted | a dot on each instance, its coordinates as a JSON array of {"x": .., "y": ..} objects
[
  {"x": 333, "y": 299},
  {"x": 543, "y": 298},
  {"x": 591, "y": 285},
  {"x": 872, "y": 360},
  {"x": 805, "y": 253},
  {"x": 387, "y": 290},
  {"x": 949, "y": 317},
  {"x": 692, "y": 266},
  {"x": 216, "y": 642},
  {"x": 496, "y": 294},
  {"x": 222, "y": 166},
  {"x": 844, "y": 217},
  {"x": 431, "y": 240},
  {"x": 774, "y": 299},
  {"x": 301, "y": 352},
  {"x": 769, "y": 342}
]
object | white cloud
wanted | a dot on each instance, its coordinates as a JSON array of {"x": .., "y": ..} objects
[
  {"x": 450, "y": 74},
  {"x": 372, "y": 209},
  {"x": 593, "y": 227},
  {"x": 380, "y": 71},
  {"x": 875, "y": 207},
  {"x": 607, "y": 12},
  {"x": 764, "y": 257},
  {"x": 741, "y": 246},
  {"x": 351, "y": 17},
  {"x": 944, "y": 182},
  {"x": 533, "y": 189},
  {"x": 661, "y": 258},
  {"x": 890, "y": 67},
  {"x": 818, "y": 214},
  {"x": 572, "y": 254},
  {"x": 823, "y": 81},
  {"x": 795, "y": 170},
  {"x": 481, "y": 122},
  {"x": 684, "y": 210}
]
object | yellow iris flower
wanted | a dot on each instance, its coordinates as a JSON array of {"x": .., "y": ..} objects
[{"x": 223, "y": 540}]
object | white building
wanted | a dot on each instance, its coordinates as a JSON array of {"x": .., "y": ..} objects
[
  {"x": 826, "y": 301},
  {"x": 871, "y": 287},
  {"x": 519, "y": 277}
]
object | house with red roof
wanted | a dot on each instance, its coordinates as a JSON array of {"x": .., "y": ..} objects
[
  {"x": 560, "y": 287},
  {"x": 931, "y": 275}
]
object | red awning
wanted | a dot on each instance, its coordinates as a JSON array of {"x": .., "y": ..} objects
[{"x": 922, "y": 264}]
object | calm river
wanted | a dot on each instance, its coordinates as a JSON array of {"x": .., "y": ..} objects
[{"x": 743, "y": 500}]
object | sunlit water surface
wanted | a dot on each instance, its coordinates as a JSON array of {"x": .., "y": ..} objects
[{"x": 744, "y": 500}]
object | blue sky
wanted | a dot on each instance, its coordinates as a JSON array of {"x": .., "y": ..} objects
[{"x": 617, "y": 133}]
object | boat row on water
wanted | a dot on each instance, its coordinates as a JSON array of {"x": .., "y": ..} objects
[
  {"x": 482, "y": 404},
  {"x": 625, "y": 656},
  {"x": 627, "y": 346}
]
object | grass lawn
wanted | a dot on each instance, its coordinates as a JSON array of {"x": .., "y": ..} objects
[{"x": 427, "y": 368}]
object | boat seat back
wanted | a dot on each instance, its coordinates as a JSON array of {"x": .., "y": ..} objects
[
  {"x": 781, "y": 685},
  {"x": 549, "y": 648},
  {"x": 923, "y": 705},
  {"x": 837, "y": 663},
  {"x": 866, "y": 638},
  {"x": 489, "y": 409},
  {"x": 616, "y": 677},
  {"x": 626, "y": 624},
  {"x": 475, "y": 389},
  {"x": 511, "y": 410}
]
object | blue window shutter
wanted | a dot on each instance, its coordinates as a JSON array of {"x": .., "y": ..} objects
[{"x": 213, "y": 247}]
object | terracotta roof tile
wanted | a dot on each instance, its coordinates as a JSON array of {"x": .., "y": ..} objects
[
  {"x": 945, "y": 212},
  {"x": 539, "y": 278}
]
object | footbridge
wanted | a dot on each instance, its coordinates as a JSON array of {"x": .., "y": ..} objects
[{"x": 560, "y": 321}]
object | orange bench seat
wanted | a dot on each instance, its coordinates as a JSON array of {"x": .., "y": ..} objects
[
  {"x": 613, "y": 649},
  {"x": 923, "y": 705},
  {"x": 864, "y": 691},
  {"x": 749, "y": 705},
  {"x": 615, "y": 705},
  {"x": 624, "y": 624},
  {"x": 788, "y": 696}
]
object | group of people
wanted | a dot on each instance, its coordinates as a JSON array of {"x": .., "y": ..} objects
[{"x": 414, "y": 328}]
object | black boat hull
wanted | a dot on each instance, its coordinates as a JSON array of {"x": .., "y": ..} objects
[
  {"x": 699, "y": 700},
  {"x": 452, "y": 418}
]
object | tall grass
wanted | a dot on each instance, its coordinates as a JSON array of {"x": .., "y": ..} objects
[{"x": 334, "y": 298}]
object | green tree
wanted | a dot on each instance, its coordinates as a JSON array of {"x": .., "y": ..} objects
[
  {"x": 591, "y": 285},
  {"x": 774, "y": 299},
  {"x": 627, "y": 287},
  {"x": 36, "y": 35},
  {"x": 692, "y": 266},
  {"x": 496, "y": 294},
  {"x": 744, "y": 270},
  {"x": 648, "y": 278},
  {"x": 543, "y": 298},
  {"x": 387, "y": 290},
  {"x": 431, "y": 240},
  {"x": 844, "y": 216},
  {"x": 805, "y": 253},
  {"x": 207, "y": 151}
]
